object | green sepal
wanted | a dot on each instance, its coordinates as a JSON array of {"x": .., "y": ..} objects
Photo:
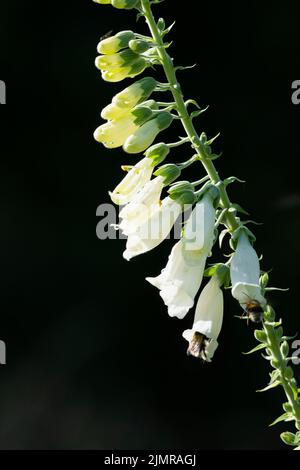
[
  {"x": 239, "y": 208},
  {"x": 283, "y": 417},
  {"x": 142, "y": 114},
  {"x": 231, "y": 180},
  {"x": 221, "y": 270},
  {"x": 179, "y": 187},
  {"x": 222, "y": 235},
  {"x": 257, "y": 348},
  {"x": 184, "y": 198},
  {"x": 271, "y": 385}
]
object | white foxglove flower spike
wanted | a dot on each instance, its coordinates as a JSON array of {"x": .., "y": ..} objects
[
  {"x": 134, "y": 181},
  {"x": 180, "y": 281},
  {"x": 208, "y": 320},
  {"x": 245, "y": 273}
]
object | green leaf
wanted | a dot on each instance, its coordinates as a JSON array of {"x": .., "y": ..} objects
[
  {"x": 239, "y": 209},
  {"x": 257, "y": 348}
]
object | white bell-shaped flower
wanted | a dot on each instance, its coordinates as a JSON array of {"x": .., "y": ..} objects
[
  {"x": 133, "y": 182},
  {"x": 180, "y": 281},
  {"x": 150, "y": 227},
  {"x": 208, "y": 320},
  {"x": 245, "y": 272}
]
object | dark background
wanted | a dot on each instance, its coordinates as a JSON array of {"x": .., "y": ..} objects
[{"x": 93, "y": 360}]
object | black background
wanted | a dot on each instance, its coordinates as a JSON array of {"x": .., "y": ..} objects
[{"x": 93, "y": 361}]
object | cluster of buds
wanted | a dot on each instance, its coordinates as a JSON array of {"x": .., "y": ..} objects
[
  {"x": 133, "y": 121},
  {"x": 147, "y": 216}
]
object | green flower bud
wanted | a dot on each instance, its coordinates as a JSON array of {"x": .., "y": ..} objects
[
  {"x": 115, "y": 43},
  {"x": 169, "y": 172},
  {"x": 124, "y": 4},
  {"x": 260, "y": 335},
  {"x": 135, "y": 93},
  {"x": 284, "y": 348},
  {"x": 118, "y": 74},
  {"x": 181, "y": 186},
  {"x": 279, "y": 332},
  {"x": 161, "y": 24},
  {"x": 287, "y": 407},
  {"x": 264, "y": 279},
  {"x": 288, "y": 438},
  {"x": 114, "y": 61},
  {"x": 158, "y": 153},
  {"x": 275, "y": 363},
  {"x": 145, "y": 135},
  {"x": 288, "y": 373},
  {"x": 103, "y": 2},
  {"x": 269, "y": 313},
  {"x": 138, "y": 45}
]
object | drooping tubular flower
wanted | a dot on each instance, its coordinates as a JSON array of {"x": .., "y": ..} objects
[
  {"x": 135, "y": 93},
  {"x": 133, "y": 182},
  {"x": 114, "y": 133},
  {"x": 208, "y": 320},
  {"x": 245, "y": 272},
  {"x": 180, "y": 280},
  {"x": 147, "y": 220},
  {"x": 139, "y": 175},
  {"x": 115, "y": 43},
  {"x": 142, "y": 138}
]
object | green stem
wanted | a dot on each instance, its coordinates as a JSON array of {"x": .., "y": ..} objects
[
  {"x": 231, "y": 221},
  {"x": 274, "y": 346}
]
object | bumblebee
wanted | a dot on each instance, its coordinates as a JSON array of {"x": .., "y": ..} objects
[
  {"x": 254, "y": 311},
  {"x": 197, "y": 346}
]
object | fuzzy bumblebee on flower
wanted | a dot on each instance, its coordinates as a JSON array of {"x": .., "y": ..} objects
[{"x": 153, "y": 196}]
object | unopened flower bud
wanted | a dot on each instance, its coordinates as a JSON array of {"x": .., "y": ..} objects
[
  {"x": 275, "y": 363},
  {"x": 288, "y": 373},
  {"x": 260, "y": 335},
  {"x": 118, "y": 60},
  {"x": 135, "y": 93},
  {"x": 124, "y": 4},
  {"x": 115, "y": 43},
  {"x": 138, "y": 45},
  {"x": 157, "y": 153},
  {"x": 284, "y": 348},
  {"x": 183, "y": 192},
  {"x": 118, "y": 74},
  {"x": 145, "y": 135},
  {"x": 103, "y": 2},
  {"x": 169, "y": 172}
]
